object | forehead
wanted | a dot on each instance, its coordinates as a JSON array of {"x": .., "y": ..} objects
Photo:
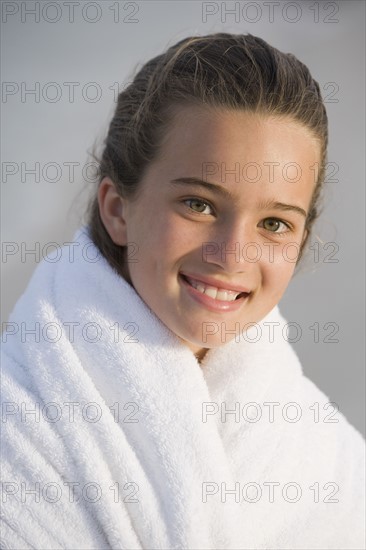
[
  {"x": 233, "y": 134},
  {"x": 236, "y": 146}
]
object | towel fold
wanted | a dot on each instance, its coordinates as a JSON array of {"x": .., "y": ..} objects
[{"x": 114, "y": 436}]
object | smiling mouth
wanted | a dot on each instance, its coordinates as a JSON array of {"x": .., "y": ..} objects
[{"x": 220, "y": 294}]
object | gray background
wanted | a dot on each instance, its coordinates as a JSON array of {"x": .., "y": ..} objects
[{"x": 331, "y": 43}]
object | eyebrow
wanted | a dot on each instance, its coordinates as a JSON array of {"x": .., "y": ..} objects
[{"x": 218, "y": 189}]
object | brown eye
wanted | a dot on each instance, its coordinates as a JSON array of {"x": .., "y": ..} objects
[
  {"x": 198, "y": 205},
  {"x": 271, "y": 224},
  {"x": 275, "y": 226}
]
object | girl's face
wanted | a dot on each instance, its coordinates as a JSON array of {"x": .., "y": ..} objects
[{"x": 219, "y": 214}]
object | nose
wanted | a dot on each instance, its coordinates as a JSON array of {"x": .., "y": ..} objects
[{"x": 233, "y": 248}]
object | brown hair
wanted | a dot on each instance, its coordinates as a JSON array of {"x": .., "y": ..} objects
[{"x": 230, "y": 71}]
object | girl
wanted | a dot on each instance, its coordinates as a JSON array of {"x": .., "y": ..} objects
[{"x": 151, "y": 399}]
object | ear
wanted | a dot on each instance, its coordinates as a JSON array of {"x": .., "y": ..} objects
[{"x": 111, "y": 208}]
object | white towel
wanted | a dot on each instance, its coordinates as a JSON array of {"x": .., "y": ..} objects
[{"x": 132, "y": 443}]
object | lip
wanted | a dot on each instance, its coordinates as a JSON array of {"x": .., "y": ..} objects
[
  {"x": 211, "y": 303},
  {"x": 210, "y": 281}
]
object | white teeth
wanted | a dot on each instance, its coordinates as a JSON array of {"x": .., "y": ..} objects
[
  {"x": 210, "y": 291},
  {"x": 221, "y": 295},
  {"x": 213, "y": 292}
]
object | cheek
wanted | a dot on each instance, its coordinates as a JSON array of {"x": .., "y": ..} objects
[
  {"x": 278, "y": 269},
  {"x": 161, "y": 243},
  {"x": 152, "y": 235},
  {"x": 282, "y": 255},
  {"x": 177, "y": 237}
]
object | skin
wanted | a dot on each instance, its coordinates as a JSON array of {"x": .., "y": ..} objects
[{"x": 169, "y": 223}]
